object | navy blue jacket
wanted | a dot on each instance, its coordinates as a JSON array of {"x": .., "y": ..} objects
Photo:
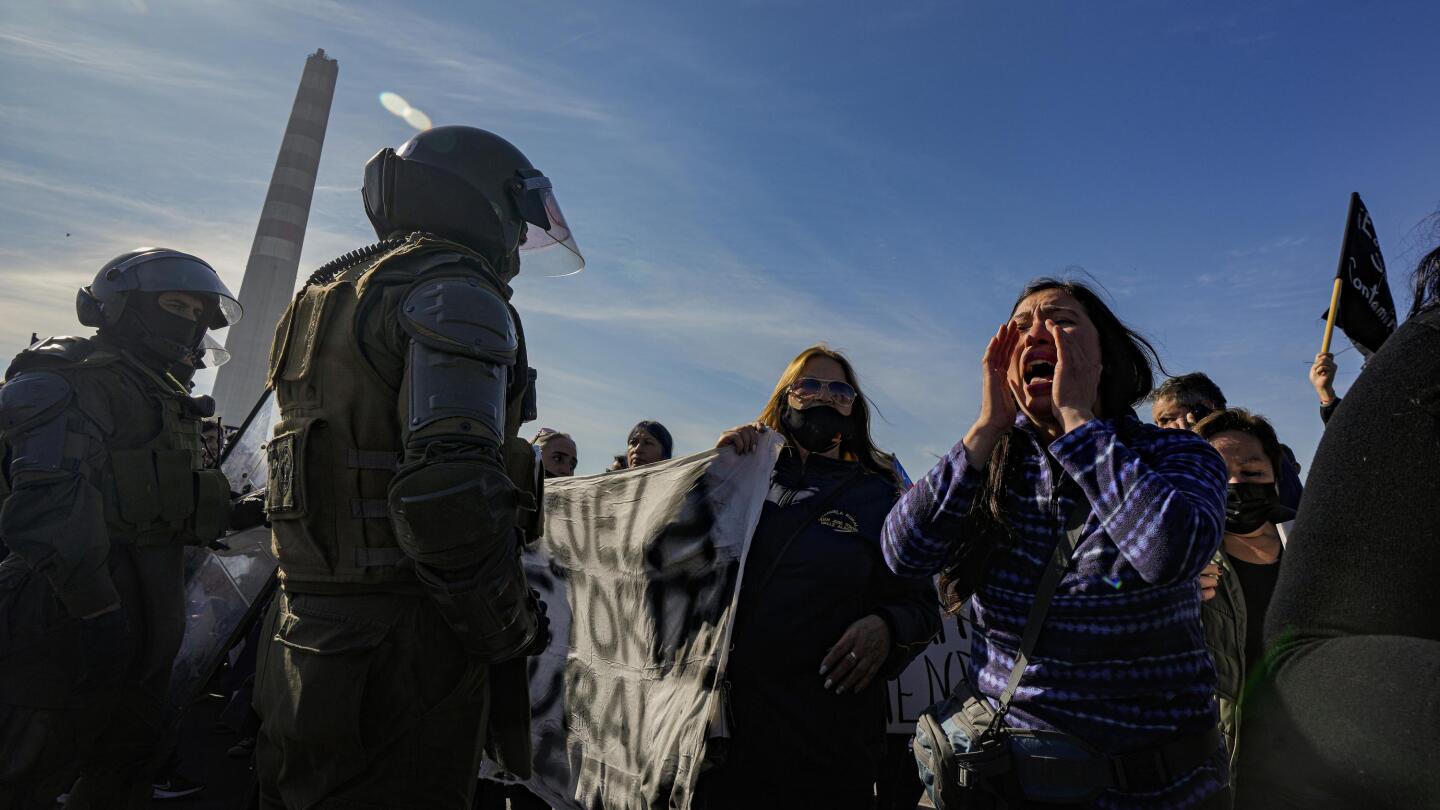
[{"x": 832, "y": 574}]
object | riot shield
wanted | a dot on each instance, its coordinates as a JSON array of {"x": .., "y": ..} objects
[
  {"x": 227, "y": 588},
  {"x": 225, "y": 591},
  {"x": 243, "y": 460}
]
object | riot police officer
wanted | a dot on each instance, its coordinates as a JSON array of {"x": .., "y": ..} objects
[
  {"x": 102, "y": 453},
  {"x": 400, "y": 492}
]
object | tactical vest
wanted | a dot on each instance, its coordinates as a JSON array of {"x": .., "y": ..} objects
[
  {"x": 337, "y": 445},
  {"x": 155, "y": 492}
]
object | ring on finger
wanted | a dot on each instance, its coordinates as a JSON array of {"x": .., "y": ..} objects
[{"x": 853, "y": 656}]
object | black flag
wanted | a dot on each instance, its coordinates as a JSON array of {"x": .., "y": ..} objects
[{"x": 1366, "y": 311}]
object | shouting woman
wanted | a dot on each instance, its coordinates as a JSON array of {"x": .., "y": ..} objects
[{"x": 1058, "y": 456}]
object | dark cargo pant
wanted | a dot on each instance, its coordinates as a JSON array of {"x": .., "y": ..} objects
[
  {"x": 366, "y": 701},
  {"x": 76, "y": 704}
]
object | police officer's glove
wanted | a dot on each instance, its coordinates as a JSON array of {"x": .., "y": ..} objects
[
  {"x": 247, "y": 513},
  {"x": 104, "y": 651},
  {"x": 541, "y": 641}
]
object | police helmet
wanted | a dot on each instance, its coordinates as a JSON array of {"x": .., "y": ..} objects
[
  {"x": 153, "y": 270},
  {"x": 476, "y": 188}
]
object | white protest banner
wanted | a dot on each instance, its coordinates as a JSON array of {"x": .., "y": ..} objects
[
  {"x": 930, "y": 677},
  {"x": 639, "y": 571}
]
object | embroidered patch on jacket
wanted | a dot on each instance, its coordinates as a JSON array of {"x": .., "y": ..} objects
[{"x": 840, "y": 521}]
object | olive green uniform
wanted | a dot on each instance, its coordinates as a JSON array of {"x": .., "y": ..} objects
[
  {"x": 105, "y": 488},
  {"x": 371, "y": 691}
]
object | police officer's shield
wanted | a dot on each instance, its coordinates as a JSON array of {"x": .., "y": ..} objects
[
  {"x": 226, "y": 590},
  {"x": 243, "y": 461}
]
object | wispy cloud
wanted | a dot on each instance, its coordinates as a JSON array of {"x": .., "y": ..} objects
[
  {"x": 113, "y": 61},
  {"x": 89, "y": 224},
  {"x": 1278, "y": 245},
  {"x": 457, "y": 56}
]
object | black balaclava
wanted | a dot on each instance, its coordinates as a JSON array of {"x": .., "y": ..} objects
[
  {"x": 1250, "y": 506},
  {"x": 158, "y": 338},
  {"x": 818, "y": 428}
]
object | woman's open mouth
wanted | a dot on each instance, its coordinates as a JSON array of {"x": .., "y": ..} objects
[{"x": 1038, "y": 376}]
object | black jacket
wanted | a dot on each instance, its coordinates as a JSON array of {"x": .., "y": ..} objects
[
  {"x": 830, "y": 575},
  {"x": 1348, "y": 712}
]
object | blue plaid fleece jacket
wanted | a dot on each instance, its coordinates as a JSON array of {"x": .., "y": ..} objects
[{"x": 1121, "y": 662}]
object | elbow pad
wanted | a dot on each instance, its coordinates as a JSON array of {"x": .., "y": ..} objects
[
  {"x": 447, "y": 512},
  {"x": 455, "y": 517}
]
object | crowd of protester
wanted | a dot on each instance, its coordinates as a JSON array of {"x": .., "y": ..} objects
[
  {"x": 1160, "y": 636},
  {"x": 1269, "y": 644}
]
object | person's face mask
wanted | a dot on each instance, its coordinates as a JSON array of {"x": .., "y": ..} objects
[
  {"x": 818, "y": 428},
  {"x": 161, "y": 337},
  {"x": 1250, "y": 506}
]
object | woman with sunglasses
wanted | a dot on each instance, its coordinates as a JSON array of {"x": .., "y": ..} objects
[
  {"x": 1058, "y": 457},
  {"x": 822, "y": 623}
]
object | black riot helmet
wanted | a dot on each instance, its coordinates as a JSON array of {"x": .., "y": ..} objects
[
  {"x": 123, "y": 302},
  {"x": 476, "y": 188}
]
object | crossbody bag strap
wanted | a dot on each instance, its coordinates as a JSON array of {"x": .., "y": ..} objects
[
  {"x": 1059, "y": 561},
  {"x": 821, "y": 505}
]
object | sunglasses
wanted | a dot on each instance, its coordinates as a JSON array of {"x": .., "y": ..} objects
[{"x": 839, "y": 391}]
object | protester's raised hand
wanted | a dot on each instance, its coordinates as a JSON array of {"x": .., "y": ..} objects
[
  {"x": 852, "y": 663},
  {"x": 1076, "y": 386},
  {"x": 1322, "y": 377},
  {"x": 743, "y": 438},
  {"x": 997, "y": 398}
]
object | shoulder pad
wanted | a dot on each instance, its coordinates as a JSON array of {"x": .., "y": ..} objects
[
  {"x": 32, "y": 398},
  {"x": 55, "y": 352},
  {"x": 418, "y": 257},
  {"x": 460, "y": 315}
]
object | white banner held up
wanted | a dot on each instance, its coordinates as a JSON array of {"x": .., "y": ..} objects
[{"x": 639, "y": 571}]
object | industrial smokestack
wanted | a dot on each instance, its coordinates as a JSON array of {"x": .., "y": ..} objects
[{"x": 270, "y": 274}]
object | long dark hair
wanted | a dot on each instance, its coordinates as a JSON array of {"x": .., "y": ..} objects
[
  {"x": 858, "y": 446},
  {"x": 1426, "y": 283},
  {"x": 1126, "y": 378}
]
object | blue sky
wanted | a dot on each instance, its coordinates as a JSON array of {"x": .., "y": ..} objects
[{"x": 746, "y": 178}]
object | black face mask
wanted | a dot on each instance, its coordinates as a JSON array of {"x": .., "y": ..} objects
[
  {"x": 1250, "y": 506},
  {"x": 818, "y": 428},
  {"x": 158, "y": 337},
  {"x": 184, "y": 373}
]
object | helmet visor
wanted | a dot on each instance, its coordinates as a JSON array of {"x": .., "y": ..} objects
[
  {"x": 212, "y": 354},
  {"x": 182, "y": 273},
  {"x": 550, "y": 251}
]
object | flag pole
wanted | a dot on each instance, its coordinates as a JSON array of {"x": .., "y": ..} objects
[
  {"x": 1339, "y": 275},
  {"x": 1330, "y": 321}
]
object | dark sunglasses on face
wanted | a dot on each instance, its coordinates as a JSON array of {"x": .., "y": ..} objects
[{"x": 839, "y": 391}]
